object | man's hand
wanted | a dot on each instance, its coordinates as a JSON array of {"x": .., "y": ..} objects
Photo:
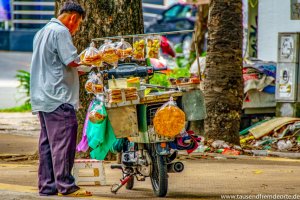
[
  {"x": 81, "y": 73},
  {"x": 81, "y": 68},
  {"x": 73, "y": 64}
]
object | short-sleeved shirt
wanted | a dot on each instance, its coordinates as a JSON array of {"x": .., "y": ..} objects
[{"x": 52, "y": 82}]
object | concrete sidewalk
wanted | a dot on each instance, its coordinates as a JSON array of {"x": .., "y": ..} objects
[
  {"x": 19, "y": 134},
  {"x": 24, "y": 124},
  {"x": 201, "y": 179},
  {"x": 206, "y": 176}
]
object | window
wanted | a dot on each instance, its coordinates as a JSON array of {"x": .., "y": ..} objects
[
  {"x": 185, "y": 12},
  {"x": 172, "y": 12}
]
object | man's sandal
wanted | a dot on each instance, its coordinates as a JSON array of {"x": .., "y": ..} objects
[{"x": 78, "y": 193}]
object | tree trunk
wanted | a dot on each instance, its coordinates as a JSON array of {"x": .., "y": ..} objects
[
  {"x": 223, "y": 84},
  {"x": 103, "y": 18},
  {"x": 201, "y": 28}
]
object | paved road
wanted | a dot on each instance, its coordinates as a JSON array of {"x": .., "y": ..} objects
[
  {"x": 201, "y": 179},
  {"x": 10, "y": 62}
]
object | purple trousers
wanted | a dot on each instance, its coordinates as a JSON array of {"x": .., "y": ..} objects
[{"x": 57, "y": 147}]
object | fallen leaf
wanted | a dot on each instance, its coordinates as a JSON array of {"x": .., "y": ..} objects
[{"x": 258, "y": 171}]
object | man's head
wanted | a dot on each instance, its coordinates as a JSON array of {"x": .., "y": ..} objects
[{"x": 71, "y": 15}]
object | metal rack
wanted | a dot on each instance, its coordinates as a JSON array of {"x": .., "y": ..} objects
[
  {"x": 151, "y": 34},
  {"x": 145, "y": 34}
]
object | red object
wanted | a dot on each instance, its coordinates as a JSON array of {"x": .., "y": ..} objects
[
  {"x": 157, "y": 63},
  {"x": 195, "y": 80},
  {"x": 250, "y": 77},
  {"x": 191, "y": 133},
  {"x": 166, "y": 47},
  {"x": 125, "y": 180},
  {"x": 247, "y": 98},
  {"x": 232, "y": 152}
]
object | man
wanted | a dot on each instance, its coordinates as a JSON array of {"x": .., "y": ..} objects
[{"x": 55, "y": 96}]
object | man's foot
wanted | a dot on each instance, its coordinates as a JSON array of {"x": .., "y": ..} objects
[
  {"x": 78, "y": 193},
  {"x": 47, "y": 194}
]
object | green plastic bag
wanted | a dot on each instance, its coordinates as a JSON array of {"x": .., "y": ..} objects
[{"x": 101, "y": 136}]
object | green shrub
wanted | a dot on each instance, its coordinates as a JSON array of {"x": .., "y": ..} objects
[{"x": 24, "y": 87}]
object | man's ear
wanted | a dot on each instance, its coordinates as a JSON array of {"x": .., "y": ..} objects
[{"x": 73, "y": 17}]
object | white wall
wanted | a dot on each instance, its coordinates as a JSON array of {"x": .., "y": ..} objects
[{"x": 273, "y": 17}]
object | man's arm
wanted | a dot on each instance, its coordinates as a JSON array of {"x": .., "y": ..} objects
[{"x": 75, "y": 64}]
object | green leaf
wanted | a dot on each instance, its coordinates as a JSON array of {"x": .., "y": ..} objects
[{"x": 24, "y": 84}]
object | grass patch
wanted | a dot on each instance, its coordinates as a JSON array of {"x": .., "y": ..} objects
[{"x": 22, "y": 108}]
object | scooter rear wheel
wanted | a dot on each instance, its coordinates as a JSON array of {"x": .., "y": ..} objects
[{"x": 159, "y": 176}]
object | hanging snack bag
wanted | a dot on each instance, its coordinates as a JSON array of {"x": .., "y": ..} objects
[
  {"x": 153, "y": 46},
  {"x": 124, "y": 49},
  {"x": 109, "y": 53},
  {"x": 94, "y": 84},
  {"x": 96, "y": 115},
  {"x": 89, "y": 85},
  {"x": 169, "y": 120},
  {"x": 138, "y": 48},
  {"x": 98, "y": 86},
  {"x": 91, "y": 56}
]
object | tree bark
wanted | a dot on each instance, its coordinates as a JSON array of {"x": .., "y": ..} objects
[
  {"x": 223, "y": 84},
  {"x": 103, "y": 18}
]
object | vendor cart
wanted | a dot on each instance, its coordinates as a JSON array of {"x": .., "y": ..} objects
[{"x": 145, "y": 153}]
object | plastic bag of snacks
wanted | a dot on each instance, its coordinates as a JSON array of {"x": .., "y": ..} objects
[
  {"x": 118, "y": 95},
  {"x": 109, "y": 53},
  {"x": 114, "y": 95},
  {"x": 91, "y": 56},
  {"x": 94, "y": 84},
  {"x": 89, "y": 85},
  {"x": 124, "y": 49},
  {"x": 97, "y": 114},
  {"x": 98, "y": 86},
  {"x": 153, "y": 46},
  {"x": 169, "y": 120},
  {"x": 138, "y": 48},
  {"x": 134, "y": 82}
]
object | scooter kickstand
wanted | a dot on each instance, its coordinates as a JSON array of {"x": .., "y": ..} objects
[{"x": 116, "y": 187}]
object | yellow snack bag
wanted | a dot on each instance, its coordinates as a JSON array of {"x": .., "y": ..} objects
[{"x": 169, "y": 120}]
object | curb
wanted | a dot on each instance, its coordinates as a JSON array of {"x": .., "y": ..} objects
[{"x": 255, "y": 154}]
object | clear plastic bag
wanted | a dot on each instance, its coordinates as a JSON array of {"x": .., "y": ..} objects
[
  {"x": 138, "y": 48},
  {"x": 153, "y": 46},
  {"x": 91, "y": 56},
  {"x": 284, "y": 145},
  {"x": 84, "y": 68},
  {"x": 124, "y": 49},
  {"x": 89, "y": 85},
  {"x": 109, "y": 53},
  {"x": 98, "y": 86},
  {"x": 194, "y": 105},
  {"x": 97, "y": 114},
  {"x": 94, "y": 84},
  {"x": 169, "y": 120},
  {"x": 114, "y": 95}
]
